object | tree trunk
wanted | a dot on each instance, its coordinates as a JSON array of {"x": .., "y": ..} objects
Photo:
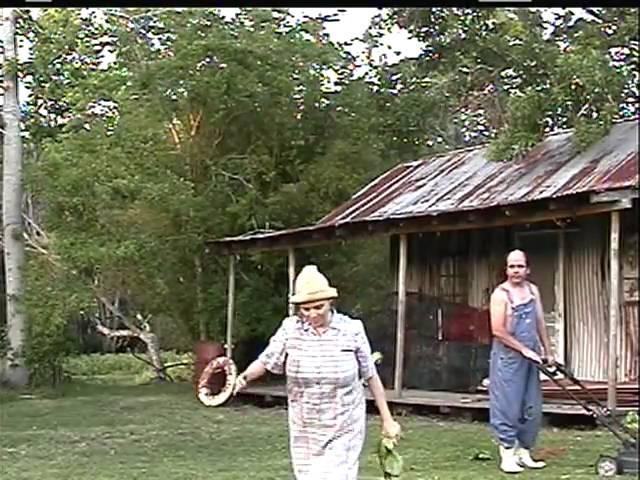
[{"x": 16, "y": 373}]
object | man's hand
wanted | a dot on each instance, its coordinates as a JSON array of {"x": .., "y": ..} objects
[
  {"x": 531, "y": 355},
  {"x": 549, "y": 359}
]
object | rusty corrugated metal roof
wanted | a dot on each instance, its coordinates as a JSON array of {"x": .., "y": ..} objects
[{"x": 465, "y": 180}]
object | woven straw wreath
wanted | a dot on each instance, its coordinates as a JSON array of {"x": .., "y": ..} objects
[{"x": 218, "y": 364}]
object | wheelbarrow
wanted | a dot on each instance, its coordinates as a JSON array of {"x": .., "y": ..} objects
[{"x": 625, "y": 461}]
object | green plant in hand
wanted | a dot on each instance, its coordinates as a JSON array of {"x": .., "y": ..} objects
[{"x": 389, "y": 459}]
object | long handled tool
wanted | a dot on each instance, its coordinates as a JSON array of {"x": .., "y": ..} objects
[{"x": 626, "y": 461}]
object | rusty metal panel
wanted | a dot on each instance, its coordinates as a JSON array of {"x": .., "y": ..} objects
[
  {"x": 628, "y": 345},
  {"x": 478, "y": 269},
  {"x": 486, "y": 264},
  {"x": 587, "y": 306},
  {"x": 467, "y": 180},
  {"x": 586, "y": 300}
]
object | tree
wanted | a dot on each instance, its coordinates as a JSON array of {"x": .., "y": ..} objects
[
  {"x": 508, "y": 76},
  {"x": 197, "y": 128},
  {"x": 16, "y": 373},
  {"x": 156, "y": 130}
]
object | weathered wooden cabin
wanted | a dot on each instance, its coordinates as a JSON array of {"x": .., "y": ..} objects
[{"x": 450, "y": 220}]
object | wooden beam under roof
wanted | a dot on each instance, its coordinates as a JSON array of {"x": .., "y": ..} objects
[{"x": 533, "y": 212}]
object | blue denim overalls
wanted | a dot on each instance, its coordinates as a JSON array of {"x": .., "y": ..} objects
[{"x": 515, "y": 397}]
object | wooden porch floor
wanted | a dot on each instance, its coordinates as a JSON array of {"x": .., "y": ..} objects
[{"x": 440, "y": 402}]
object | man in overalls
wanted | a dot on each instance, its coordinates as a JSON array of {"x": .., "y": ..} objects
[{"x": 520, "y": 341}]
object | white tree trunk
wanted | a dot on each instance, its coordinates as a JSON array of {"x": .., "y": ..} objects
[{"x": 15, "y": 371}]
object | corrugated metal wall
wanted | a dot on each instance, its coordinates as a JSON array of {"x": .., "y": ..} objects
[
  {"x": 586, "y": 304},
  {"x": 447, "y": 327},
  {"x": 628, "y": 345},
  {"x": 587, "y": 300},
  {"x": 586, "y": 286},
  {"x": 628, "y": 338}
]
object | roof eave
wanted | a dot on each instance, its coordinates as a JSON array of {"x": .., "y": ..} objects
[{"x": 495, "y": 216}]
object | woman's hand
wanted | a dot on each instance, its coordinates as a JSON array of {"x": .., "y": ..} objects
[
  {"x": 254, "y": 371},
  {"x": 241, "y": 383},
  {"x": 391, "y": 429}
]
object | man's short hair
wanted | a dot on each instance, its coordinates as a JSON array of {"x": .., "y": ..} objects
[{"x": 517, "y": 250}]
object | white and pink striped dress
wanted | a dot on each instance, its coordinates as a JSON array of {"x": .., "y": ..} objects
[{"x": 326, "y": 402}]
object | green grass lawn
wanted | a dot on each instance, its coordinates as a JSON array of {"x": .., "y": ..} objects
[{"x": 104, "y": 432}]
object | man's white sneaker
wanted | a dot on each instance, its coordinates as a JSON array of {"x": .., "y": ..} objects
[
  {"x": 509, "y": 461},
  {"x": 523, "y": 457}
]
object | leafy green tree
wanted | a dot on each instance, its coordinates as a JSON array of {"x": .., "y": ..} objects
[
  {"x": 198, "y": 127},
  {"x": 151, "y": 131},
  {"x": 510, "y": 75}
]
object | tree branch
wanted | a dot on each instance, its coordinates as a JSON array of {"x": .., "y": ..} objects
[
  {"x": 195, "y": 123},
  {"x": 234, "y": 177},
  {"x": 112, "y": 333},
  {"x": 113, "y": 310}
]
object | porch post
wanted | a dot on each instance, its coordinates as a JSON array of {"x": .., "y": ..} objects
[
  {"x": 230, "y": 304},
  {"x": 292, "y": 275},
  {"x": 400, "y": 320},
  {"x": 614, "y": 308},
  {"x": 560, "y": 308}
]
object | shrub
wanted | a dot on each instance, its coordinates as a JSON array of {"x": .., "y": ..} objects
[{"x": 118, "y": 367}]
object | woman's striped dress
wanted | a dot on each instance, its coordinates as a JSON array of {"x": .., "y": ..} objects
[{"x": 326, "y": 402}]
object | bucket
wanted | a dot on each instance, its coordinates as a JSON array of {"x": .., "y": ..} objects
[{"x": 205, "y": 351}]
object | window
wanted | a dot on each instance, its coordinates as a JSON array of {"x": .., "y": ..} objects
[{"x": 453, "y": 250}]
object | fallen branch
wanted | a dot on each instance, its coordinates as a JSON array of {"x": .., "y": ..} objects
[
  {"x": 37, "y": 240},
  {"x": 145, "y": 334},
  {"x": 165, "y": 368}
]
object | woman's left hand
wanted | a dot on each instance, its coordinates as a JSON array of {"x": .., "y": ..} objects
[{"x": 391, "y": 429}]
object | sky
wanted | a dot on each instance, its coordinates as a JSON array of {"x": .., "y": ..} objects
[{"x": 351, "y": 24}]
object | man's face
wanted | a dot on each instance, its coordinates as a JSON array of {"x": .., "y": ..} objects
[
  {"x": 316, "y": 313},
  {"x": 517, "y": 269}
]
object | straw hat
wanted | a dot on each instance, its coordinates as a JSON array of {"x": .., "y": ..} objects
[{"x": 311, "y": 286}]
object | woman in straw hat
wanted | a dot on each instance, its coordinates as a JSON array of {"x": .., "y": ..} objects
[{"x": 325, "y": 355}]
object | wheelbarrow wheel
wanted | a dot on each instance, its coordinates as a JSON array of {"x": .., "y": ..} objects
[{"x": 606, "y": 467}]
